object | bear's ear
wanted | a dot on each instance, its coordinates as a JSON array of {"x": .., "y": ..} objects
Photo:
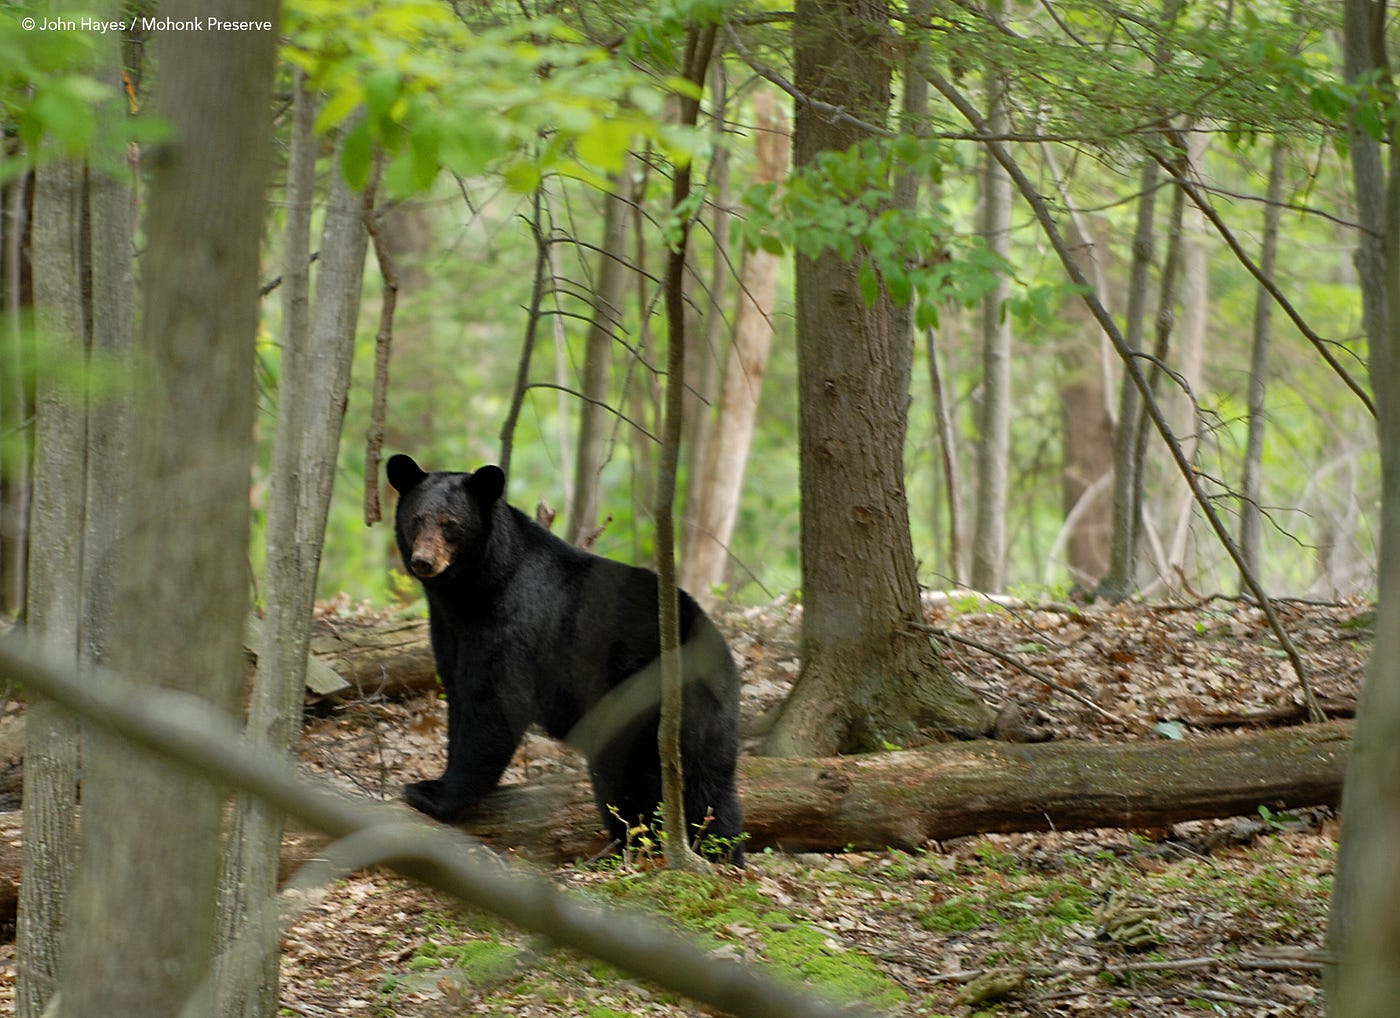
[
  {"x": 487, "y": 484},
  {"x": 404, "y": 474}
]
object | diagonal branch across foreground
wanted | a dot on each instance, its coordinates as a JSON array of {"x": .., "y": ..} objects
[{"x": 190, "y": 731}]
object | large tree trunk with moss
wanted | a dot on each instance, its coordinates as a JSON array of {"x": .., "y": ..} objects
[{"x": 869, "y": 677}]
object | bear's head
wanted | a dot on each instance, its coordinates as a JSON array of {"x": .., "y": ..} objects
[{"x": 443, "y": 518}]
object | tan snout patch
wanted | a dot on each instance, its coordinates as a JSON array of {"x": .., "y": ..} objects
[{"x": 430, "y": 555}]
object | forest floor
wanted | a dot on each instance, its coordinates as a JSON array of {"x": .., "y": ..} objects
[{"x": 1222, "y": 916}]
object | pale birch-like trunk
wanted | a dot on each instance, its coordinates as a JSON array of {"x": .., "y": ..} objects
[
  {"x": 609, "y": 289},
  {"x": 1252, "y": 482},
  {"x": 994, "y": 439},
  {"x": 1190, "y": 360},
  {"x": 714, "y": 326},
  {"x": 716, "y": 493}
]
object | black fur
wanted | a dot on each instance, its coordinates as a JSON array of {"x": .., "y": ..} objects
[{"x": 528, "y": 628}]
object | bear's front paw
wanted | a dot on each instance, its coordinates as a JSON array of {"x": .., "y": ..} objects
[{"x": 428, "y": 797}]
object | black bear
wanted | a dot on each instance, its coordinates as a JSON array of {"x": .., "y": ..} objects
[{"x": 528, "y": 628}]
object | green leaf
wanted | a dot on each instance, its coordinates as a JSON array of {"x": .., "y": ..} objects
[
  {"x": 869, "y": 283},
  {"x": 926, "y": 315},
  {"x": 381, "y": 89},
  {"x": 425, "y": 144},
  {"x": 899, "y": 284},
  {"x": 339, "y": 106},
  {"x": 358, "y": 155}
]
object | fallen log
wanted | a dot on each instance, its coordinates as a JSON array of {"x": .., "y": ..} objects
[
  {"x": 389, "y": 659},
  {"x": 910, "y": 799}
]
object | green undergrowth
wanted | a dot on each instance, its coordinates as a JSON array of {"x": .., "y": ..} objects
[
  {"x": 840, "y": 925},
  {"x": 728, "y": 913}
]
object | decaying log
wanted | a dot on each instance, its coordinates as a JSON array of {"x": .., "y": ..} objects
[{"x": 386, "y": 658}]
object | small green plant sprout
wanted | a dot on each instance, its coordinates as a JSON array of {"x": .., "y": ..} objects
[{"x": 1277, "y": 821}]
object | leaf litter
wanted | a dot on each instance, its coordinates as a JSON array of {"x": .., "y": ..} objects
[{"x": 1221, "y": 917}]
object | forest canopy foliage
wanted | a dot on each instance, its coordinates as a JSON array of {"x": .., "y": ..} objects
[{"x": 470, "y": 113}]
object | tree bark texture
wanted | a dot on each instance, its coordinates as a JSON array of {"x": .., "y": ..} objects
[
  {"x": 55, "y": 597},
  {"x": 85, "y": 289},
  {"x": 1252, "y": 483},
  {"x": 182, "y": 566},
  {"x": 1364, "y": 925},
  {"x": 907, "y": 799},
  {"x": 868, "y": 677},
  {"x": 15, "y": 409}
]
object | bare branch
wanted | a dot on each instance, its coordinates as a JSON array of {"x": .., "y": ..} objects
[
  {"x": 193, "y": 733},
  {"x": 1076, "y": 274}
]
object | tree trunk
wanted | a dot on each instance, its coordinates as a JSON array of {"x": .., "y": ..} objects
[
  {"x": 1086, "y": 470},
  {"x": 314, "y": 382},
  {"x": 699, "y": 44},
  {"x": 54, "y": 601},
  {"x": 82, "y": 250},
  {"x": 951, "y": 472},
  {"x": 1364, "y": 926},
  {"x": 1252, "y": 483},
  {"x": 868, "y": 676},
  {"x": 1120, "y": 580},
  {"x": 994, "y": 417},
  {"x": 716, "y": 494},
  {"x": 603, "y": 328},
  {"x": 1195, "y": 311},
  {"x": 183, "y": 562},
  {"x": 15, "y": 410},
  {"x": 713, "y": 325},
  {"x": 642, "y": 393}
]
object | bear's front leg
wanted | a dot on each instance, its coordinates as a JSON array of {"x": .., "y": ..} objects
[
  {"x": 481, "y": 739},
  {"x": 428, "y": 797}
]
